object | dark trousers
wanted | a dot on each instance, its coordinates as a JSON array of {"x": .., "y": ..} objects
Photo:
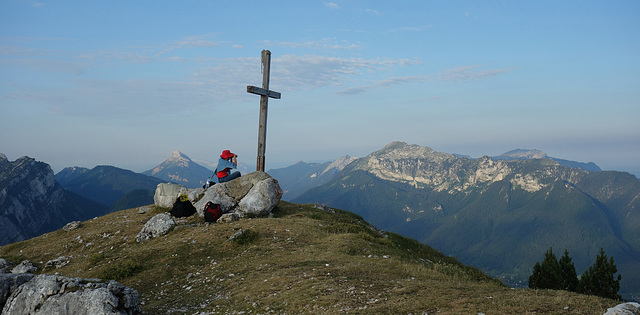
[{"x": 229, "y": 177}]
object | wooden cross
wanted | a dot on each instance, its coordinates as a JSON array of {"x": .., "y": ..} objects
[{"x": 264, "y": 93}]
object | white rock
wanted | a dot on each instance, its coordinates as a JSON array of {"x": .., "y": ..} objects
[
  {"x": 631, "y": 308},
  {"x": 262, "y": 198},
  {"x": 48, "y": 294},
  {"x": 24, "y": 267},
  {"x": 167, "y": 193},
  {"x": 159, "y": 225}
]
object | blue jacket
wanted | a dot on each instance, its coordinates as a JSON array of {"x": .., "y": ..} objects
[{"x": 224, "y": 164}]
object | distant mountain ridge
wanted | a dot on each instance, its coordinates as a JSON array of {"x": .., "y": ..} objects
[
  {"x": 180, "y": 169},
  {"x": 32, "y": 202},
  {"x": 107, "y": 184},
  {"x": 496, "y": 214},
  {"x": 521, "y": 154}
]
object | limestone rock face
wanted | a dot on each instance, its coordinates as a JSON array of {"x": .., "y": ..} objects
[
  {"x": 49, "y": 294},
  {"x": 423, "y": 167},
  {"x": 159, "y": 225}
]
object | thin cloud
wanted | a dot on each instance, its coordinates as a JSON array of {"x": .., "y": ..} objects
[
  {"x": 410, "y": 29},
  {"x": 459, "y": 74},
  {"x": 382, "y": 83},
  {"x": 132, "y": 56},
  {"x": 214, "y": 82},
  {"x": 331, "y": 5},
  {"x": 199, "y": 41},
  {"x": 312, "y": 71},
  {"x": 372, "y": 12},
  {"x": 470, "y": 73},
  {"x": 322, "y": 44},
  {"x": 48, "y": 65}
]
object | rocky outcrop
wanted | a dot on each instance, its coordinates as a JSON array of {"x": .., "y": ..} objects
[
  {"x": 24, "y": 267},
  {"x": 22, "y": 292},
  {"x": 9, "y": 283},
  {"x": 630, "y": 308},
  {"x": 51, "y": 294},
  {"x": 254, "y": 194}
]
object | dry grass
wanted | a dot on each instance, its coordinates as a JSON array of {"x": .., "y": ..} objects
[{"x": 303, "y": 260}]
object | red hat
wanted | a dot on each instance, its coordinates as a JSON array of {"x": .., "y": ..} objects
[{"x": 226, "y": 154}]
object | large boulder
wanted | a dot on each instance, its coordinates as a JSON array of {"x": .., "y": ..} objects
[
  {"x": 24, "y": 267},
  {"x": 219, "y": 194},
  {"x": 50, "y": 294},
  {"x": 9, "y": 283},
  {"x": 261, "y": 199},
  {"x": 256, "y": 193},
  {"x": 167, "y": 193},
  {"x": 159, "y": 225},
  {"x": 629, "y": 308}
]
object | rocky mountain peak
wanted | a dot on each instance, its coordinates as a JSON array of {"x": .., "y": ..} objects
[
  {"x": 179, "y": 168},
  {"x": 397, "y": 149},
  {"x": 177, "y": 159},
  {"x": 175, "y": 154}
]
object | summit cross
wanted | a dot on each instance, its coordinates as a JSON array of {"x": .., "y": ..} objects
[{"x": 265, "y": 94}]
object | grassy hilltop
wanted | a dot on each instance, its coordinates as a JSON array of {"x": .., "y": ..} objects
[{"x": 303, "y": 260}]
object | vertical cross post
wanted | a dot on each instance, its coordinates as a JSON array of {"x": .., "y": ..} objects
[{"x": 264, "y": 93}]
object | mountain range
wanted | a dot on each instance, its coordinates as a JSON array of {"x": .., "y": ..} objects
[
  {"x": 522, "y": 154},
  {"x": 497, "y": 213},
  {"x": 110, "y": 186},
  {"x": 32, "y": 202},
  {"x": 500, "y": 215}
]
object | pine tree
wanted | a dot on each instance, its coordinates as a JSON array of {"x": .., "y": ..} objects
[
  {"x": 548, "y": 274},
  {"x": 599, "y": 279},
  {"x": 568, "y": 272}
]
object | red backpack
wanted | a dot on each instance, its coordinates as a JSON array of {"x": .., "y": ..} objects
[{"x": 212, "y": 212}]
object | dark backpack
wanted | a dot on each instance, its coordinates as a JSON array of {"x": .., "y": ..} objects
[
  {"x": 182, "y": 207},
  {"x": 212, "y": 212}
]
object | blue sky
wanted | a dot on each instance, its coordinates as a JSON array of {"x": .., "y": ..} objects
[{"x": 124, "y": 83}]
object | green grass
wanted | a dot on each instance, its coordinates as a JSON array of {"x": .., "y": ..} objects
[{"x": 303, "y": 260}]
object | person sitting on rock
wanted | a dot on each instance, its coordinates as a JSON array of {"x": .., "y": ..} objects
[{"x": 227, "y": 167}]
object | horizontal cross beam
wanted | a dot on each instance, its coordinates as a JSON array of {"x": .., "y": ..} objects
[{"x": 263, "y": 92}]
